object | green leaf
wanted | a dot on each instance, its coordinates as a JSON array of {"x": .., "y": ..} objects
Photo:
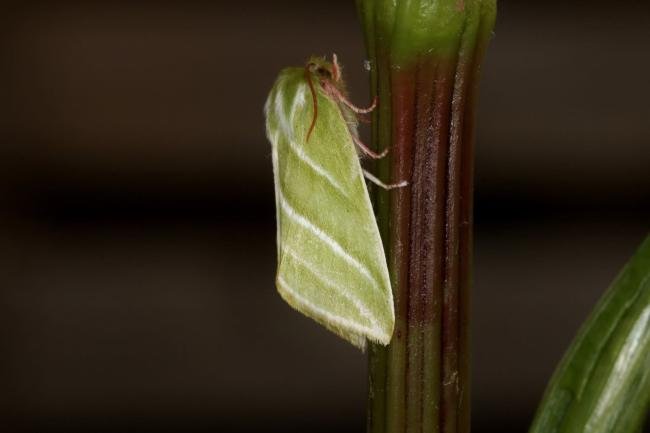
[{"x": 603, "y": 383}]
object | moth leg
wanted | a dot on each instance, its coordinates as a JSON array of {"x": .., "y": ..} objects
[
  {"x": 360, "y": 110},
  {"x": 383, "y": 185},
  {"x": 335, "y": 93},
  {"x": 363, "y": 119},
  {"x": 366, "y": 150}
]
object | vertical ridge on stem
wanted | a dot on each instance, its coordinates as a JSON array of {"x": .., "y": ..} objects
[
  {"x": 434, "y": 224},
  {"x": 418, "y": 248},
  {"x": 403, "y": 92}
]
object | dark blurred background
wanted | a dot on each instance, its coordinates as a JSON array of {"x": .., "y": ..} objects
[{"x": 137, "y": 225}]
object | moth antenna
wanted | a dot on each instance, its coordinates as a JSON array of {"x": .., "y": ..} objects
[
  {"x": 314, "y": 98},
  {"x": 336, "y": 69}
]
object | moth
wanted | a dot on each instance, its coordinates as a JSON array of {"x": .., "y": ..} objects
[{"x": 331, "y": 262}]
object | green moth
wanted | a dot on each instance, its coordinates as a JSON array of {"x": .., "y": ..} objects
[{"x": 331, "y": 262}]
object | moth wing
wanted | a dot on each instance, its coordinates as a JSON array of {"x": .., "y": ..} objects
[{"x": 331, "y": 262}]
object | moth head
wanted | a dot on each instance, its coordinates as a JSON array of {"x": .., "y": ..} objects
[
  {"x": 328, "y": 75},
  {"x": 323, "y": 69}
]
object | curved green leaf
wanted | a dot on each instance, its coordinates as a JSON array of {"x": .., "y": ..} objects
[{"x": 603, "y": 383}]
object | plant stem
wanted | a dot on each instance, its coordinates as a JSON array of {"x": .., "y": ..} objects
[{"x": 425, "y": 58}]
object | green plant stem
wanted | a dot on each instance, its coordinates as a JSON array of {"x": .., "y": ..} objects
[{"x": 425, "y": 58}]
